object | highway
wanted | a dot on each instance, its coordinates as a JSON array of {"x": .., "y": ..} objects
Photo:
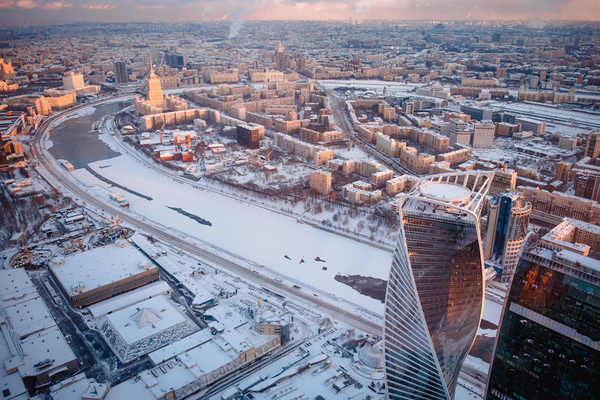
[{"x": 58, "y": 174}]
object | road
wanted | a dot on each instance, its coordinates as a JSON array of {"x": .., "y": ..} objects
[
  {"x": 49, "y": 168},
  {"x": 338, "y": 107},
  {"x": 58, "y": 174}
]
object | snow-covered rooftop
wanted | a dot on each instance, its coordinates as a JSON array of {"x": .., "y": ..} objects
[
  {"x": 445, "y": 191},
  {"x": 129, "y": 298},
  {"x": 15, "y": 286},
  {"x": 145, "y": 319},
  {"x": 49, "y": 344},
  {"x": 29, "y": 317},
  {"x": 181, "y": 346},
  {"x": 98, "y": 267}
]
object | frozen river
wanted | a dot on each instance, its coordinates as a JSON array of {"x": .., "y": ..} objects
[
  {"x": 72, "y": 140},
  {"x": 252, "y": 233}
]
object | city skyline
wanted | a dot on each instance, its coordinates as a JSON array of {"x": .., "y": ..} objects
[
  {"x": 48, "y": 12},
  {"x": 233, "y": 209}
]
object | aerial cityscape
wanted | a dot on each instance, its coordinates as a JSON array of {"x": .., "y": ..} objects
[{"x": 286, "y": 200}]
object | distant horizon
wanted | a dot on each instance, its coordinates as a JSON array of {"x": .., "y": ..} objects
[
  {"x": 20, "y": 13},
  {"x": 546, "y": 22}
]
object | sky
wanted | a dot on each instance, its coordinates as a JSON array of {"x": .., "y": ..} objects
[{"x": 42, "y": 12}]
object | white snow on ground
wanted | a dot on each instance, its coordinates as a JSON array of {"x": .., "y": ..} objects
[
  {"x": 462, "y": 393},
  {"x": 492, "y": 311},
  {"x": 478, "y": 364},
  {"x": 251, "y": 232},
  {"x": 77, "y": 114}
]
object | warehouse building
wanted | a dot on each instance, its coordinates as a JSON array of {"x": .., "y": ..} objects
[{"x": 101, "y": 273}]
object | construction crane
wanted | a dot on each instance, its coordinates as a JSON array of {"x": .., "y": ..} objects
[{"x": 115, "y": 221}]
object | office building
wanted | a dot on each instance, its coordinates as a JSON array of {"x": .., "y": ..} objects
[
  {"x": 248, "y": 136},
  {"x": 435, "y": 291},
  {"x": 73, "y": 81},
  {"x": 506, "y": 230},
  {"x": 548, "y": 345},
  {"x": 175, "y": 60},
  {"x": 120, "y": 70},
  {"x": 483, "y": 134},
  {"x": 527, "y": 124}
]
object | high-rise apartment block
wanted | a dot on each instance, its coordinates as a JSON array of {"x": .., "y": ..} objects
[
  {"x": 248, "y": 136},
  {"x": 548, "y": 345},
  {"x": 320, "y": 182},
  {"x": 592, "y": 144},
  {"x": 506, "y": 230},
  {"x": 120, "y": 70},
  {"x": 459, "y": 134},
  {"x": 435, "y": 291}
]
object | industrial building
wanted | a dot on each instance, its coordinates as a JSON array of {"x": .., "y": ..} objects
[
  {"x": 144, "y": 327},
  {"x": 98, "y": 274},
  {"x": 33, "y": 351}
]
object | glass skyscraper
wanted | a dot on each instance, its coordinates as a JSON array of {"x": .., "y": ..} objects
[
  {"x": 506, "y": 231},
  {"x": 436, "y": 289},
  {"x": 548, "y": 345}
]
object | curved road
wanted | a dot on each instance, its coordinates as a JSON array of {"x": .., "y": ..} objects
[{"x": 60, "y": 175}]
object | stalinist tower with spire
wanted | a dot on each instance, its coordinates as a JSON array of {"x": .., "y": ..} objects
[
  {"x": 155, "y": 102},
  {"x": 154, "y": 95}
]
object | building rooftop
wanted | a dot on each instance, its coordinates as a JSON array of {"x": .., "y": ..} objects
[
  {"x": 129, "y": 298},
  {"x": 98, "y": 267},
  {"x": 49, "y": 344},
  {"x": 29, "y": 317},
  {"x": 16, "y": 287},
  {"x": 448, "y": 192},
  {"x": 145, "y": 319}
]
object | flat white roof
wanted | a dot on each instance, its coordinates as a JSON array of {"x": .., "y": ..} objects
[
  {"x": 129, "y": 298},
  {"x": 181, "y": 346},
  {"x": 16, "y": 287},
  {"x": 209, "y": 356},
  {"x": 29, "y": 317},
  {"x": 12, "y": 382},
  {"x": 98, "y": 267},
  {"x": 47, "y": 344},
  {"x": 443, "y": 191},
  {"x": 72, "y": 388},
  {"x": 145, "y": 319}
]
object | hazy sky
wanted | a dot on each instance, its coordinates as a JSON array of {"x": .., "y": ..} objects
[{"x": 21, "y": 12}]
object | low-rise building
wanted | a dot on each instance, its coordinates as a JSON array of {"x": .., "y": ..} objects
[{"x": 98, "y": 274}]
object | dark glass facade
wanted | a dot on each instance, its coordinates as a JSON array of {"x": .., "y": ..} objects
[
  {"x": 434, "y": 300},
  {"x": 548, "y": 346}
]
